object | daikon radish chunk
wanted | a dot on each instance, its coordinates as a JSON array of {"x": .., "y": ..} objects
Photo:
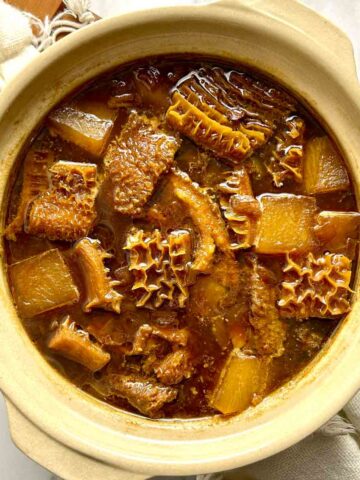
[
  {"x": 86, "y": 123},
  {"x": 208, "y": 293},
  {"x": 324, "y": 170},
  {"x": 239, "y": 334},
  {"x": 241, "y": 378},
  {"x": 42, "y": 283},
  {"x": 286, "y": 224},
  {"x": 75, "y": 344},
  {"x": 335, "y": 229}
]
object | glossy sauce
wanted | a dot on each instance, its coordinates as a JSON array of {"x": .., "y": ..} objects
[{"x": 218, "y": 301}]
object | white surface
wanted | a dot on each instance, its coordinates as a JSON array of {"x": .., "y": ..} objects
[
  {"x": 14, "y": 465},
  {"x": 343, "y": 13},
  {"x": 346, "y": 14}
]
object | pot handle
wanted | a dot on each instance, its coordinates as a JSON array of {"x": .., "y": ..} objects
[
  {"x": 303, "y": 18},
  {"x": 57, "y": 458}
]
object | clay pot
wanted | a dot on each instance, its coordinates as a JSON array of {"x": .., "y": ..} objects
[{"x": 73, "y": 434}]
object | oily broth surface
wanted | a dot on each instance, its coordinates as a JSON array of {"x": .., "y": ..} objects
[{"x": 208, "y": 349}]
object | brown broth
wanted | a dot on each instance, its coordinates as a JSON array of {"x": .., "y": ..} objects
[{"x": 208, "y": 346}]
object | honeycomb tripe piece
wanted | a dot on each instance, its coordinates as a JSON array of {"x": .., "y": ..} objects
[
  {"x": 286, "y": 159},
  {"x": 174, "y": 367},
  {"x": 324, "y": 169},
  {"x": 75, "y": 344},
  {"x": 142, "y": 392},
  {"x": 240, "y": 209},
  {"x": 135, "y": 160},
  {"x": 35, "y": 181},
  {"x": 152, "y": 87},
  {"x": 99, "y": 287},
  {"x": 226, "y": 112},
  {"x": 123, "y": 93},
  {"x": 86, "y": 123},
  {"x": 237, "y": 182},
  {"x": 152, "y": 342},
  {"x": 179, "y": 251},
  {"x": 334, "y": 230},
  {"x": 221, "y": 296},
  {"x": 160, "y": 266},
  {"x": 269, "y": 331},
  {"x": 67, "y": 210},
  {"x": 315, "y": 286},
  {"x": 41, "y": 283},
  {"x": 143, "y": 342},
  {"x": 206, "y": 217},
  {"x": 286, "y": 224}
]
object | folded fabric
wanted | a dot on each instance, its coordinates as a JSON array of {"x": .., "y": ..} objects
[
  {"x": 18, "y": 43},
  {"x": 15, "y": 42},
  {"x": 15, "y": 32},
  {"x": 346, "y": 15}
]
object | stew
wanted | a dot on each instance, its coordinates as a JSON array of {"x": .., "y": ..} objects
[{"x": 181, "y": 237}]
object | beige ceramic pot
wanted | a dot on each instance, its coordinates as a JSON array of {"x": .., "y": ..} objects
[{"x": 64, "y": 429}]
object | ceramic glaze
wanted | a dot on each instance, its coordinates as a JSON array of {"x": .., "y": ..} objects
[{"x": 311, "y": 58}]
